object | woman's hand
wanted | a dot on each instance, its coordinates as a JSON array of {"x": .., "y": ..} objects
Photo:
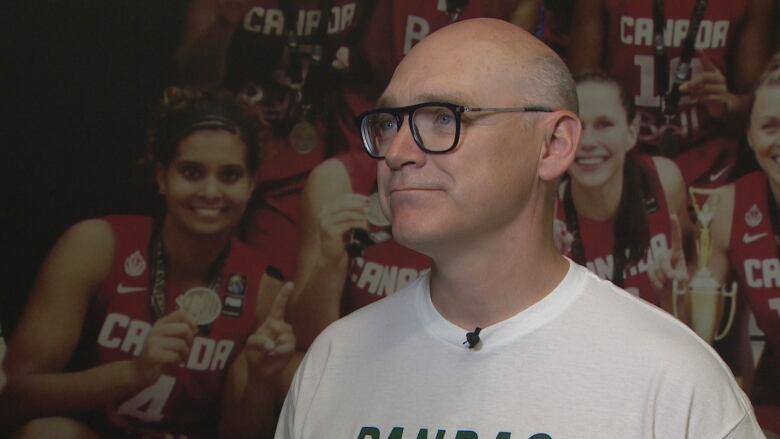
[
  {"x": 169, "y": 342},
  {"x": 271, "y": 346}
]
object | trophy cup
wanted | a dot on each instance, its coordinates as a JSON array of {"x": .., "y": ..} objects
[{"x": 707, "y": 295}]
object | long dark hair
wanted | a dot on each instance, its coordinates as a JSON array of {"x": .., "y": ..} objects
[
  {"x": 185, "y": 110},
  {"x": 631, "y": 231},
  {"x": 181, "y": 111}
]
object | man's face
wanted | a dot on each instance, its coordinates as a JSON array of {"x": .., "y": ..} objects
[{"x": 441, "y": 200}]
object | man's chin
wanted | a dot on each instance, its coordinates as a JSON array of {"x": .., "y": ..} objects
[{"x": 414, "y": 238}]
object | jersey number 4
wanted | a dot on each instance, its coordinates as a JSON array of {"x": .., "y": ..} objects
[{"x": 148, "y": 404}]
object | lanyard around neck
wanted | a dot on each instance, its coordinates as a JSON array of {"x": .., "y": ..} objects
[
  {"x": 159, "y": 268},
  {"x": 671, "y": 97}
]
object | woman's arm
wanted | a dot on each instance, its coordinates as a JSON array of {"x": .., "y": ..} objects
[
  {"x": 251, "y": 396},
  {"x": 329, "y": 210},
  {"x": 51, "y": 326},
  {"x": 587, "y": 36},
  {"x": 208, "y": 30},
  {"x": 675, "y": 266}
]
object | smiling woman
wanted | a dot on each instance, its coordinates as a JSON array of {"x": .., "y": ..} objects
[
  {"x": 143, "y": 326},
  {"x": 620, "y": 213},
  {"x": 208, "y": 185},
  {"x": 745, "y": 238}
]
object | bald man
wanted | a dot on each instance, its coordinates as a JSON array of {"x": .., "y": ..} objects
[{"x": 475, "y": 129}]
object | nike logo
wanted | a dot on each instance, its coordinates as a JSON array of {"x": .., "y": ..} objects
[
  {"x": 748, "y": 238},
  {"x": 124, "y": 289},
  {"x": 716, "y": 175}
]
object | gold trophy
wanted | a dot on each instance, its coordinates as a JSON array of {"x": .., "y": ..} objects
[{"x": 707, "y": 295}]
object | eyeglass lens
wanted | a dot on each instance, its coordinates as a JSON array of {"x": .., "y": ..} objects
[{"x": 434, "y": 127}]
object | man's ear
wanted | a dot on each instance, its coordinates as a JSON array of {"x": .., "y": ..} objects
[
  {"x": 561, "y": 136},
  {"x": 159, "y": 174}
]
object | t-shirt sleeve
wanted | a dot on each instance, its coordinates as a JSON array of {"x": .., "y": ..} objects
[
  {"x": 286, "y": 424},
  {"x": 747, "y": 428},
  {"x": 303, "y": 389}
]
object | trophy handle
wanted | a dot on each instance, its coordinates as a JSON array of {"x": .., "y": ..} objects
[
  {"x": 678, "y": 291},
  {"x": 732, "y": 295}
]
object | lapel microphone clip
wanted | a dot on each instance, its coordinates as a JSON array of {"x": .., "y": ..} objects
[{"x": 472, "y": 338}]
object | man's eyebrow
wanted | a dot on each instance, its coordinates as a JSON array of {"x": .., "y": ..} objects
[
  {"x": 453, "y": 98},
  {"x": 385, "y": 102}
]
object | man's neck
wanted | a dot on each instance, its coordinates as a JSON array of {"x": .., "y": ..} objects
[{"x": 494, "y": 278}]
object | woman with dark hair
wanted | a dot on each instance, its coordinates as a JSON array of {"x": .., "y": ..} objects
[
  {"x": 620, "y": 213},
  {"x": 745, "y": 237},
  {"x": 149, "y": 327}
]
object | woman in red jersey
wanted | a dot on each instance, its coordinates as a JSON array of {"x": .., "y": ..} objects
[
  {"x": 745, "y": 236},
  {"x": 165, "y": 326},
  {"x": 619, "y": 213}
]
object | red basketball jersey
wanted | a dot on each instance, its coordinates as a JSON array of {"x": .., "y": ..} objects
[
  {"x": 385, "y": 267},
  {"x": 185, "y": 400},
  {"x": 630, "y": 58},
  {"x": 598, "y": 240}
]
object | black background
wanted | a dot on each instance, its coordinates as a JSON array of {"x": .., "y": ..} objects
[{"x": 78, "y": 82}]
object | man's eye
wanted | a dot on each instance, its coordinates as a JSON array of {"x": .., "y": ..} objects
[
  {"x": 443, "y": 118},
  {"x": 603, "y": 124},
  {"x": 386, "y": 124}
]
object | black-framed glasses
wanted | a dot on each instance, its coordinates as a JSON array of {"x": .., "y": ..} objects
[{"x": 435, "y": 126}]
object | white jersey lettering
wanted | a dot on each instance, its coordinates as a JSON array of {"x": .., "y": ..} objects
[
  {"x": 271, "y": 21},
  {"x": 417, "y": 28},
  {"x": 639, "y": 32},
  {"x": 205, "y": 353}
]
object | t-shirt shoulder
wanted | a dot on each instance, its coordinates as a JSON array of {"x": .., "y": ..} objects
[
  {"x": 391, "y": 311},
  {"x": 633, "y": 320}
]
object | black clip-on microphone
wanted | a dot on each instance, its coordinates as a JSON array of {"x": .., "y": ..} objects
[{"x": 472, "y": 338}]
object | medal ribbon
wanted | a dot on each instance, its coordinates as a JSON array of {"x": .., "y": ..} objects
[
  {"x": 310, "y": 85},
  {"x": 774, "y": 216},
  {"x": 577, "y": 248},
  {"x": 670, "y": 100},
  {"x": 158, "y": 274}
]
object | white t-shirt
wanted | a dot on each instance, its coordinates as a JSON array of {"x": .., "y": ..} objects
[{"x": 587, "y": 361}]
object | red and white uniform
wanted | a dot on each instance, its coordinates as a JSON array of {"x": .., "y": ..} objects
[
  {"x": 385, "y": 267},
  {"x": 395, "y": 27},
  {"x": 258, "y": 59},
  {"x": 185, "y": 400},
  {"x": 753, "y": 256},
  {"x": 598, "y": 241},
  {"x": 706, "y": 150},
  {"x": 554, "y": 25}
]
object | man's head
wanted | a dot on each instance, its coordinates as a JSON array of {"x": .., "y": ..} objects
[{"x": 502, "y": 172}]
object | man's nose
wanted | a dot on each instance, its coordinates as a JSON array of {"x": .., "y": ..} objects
[{"x": 403, "y": 150}]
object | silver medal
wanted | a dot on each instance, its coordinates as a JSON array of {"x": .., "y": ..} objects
[
  {"x": 303, "y": 137},
  {"x": 202, "y": 303}
]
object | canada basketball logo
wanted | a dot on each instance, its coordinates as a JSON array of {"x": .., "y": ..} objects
[
  {"x": 135, "y": 264},
  {"x": 753, "y": 216}
]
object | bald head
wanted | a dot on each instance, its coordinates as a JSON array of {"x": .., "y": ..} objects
[{"x": 499, "y": 54}]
